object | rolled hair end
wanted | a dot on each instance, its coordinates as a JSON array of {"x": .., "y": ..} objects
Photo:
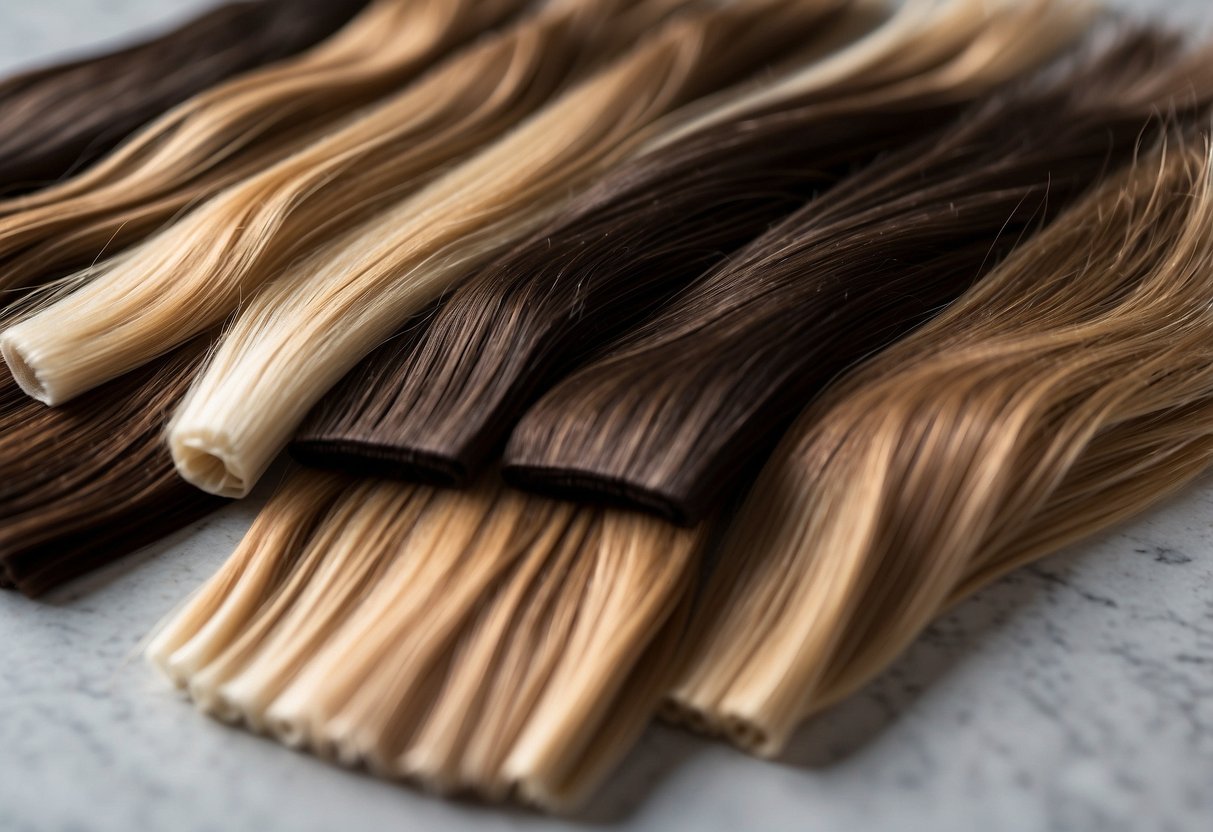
[
  {"x": 17, "y": 355},
  {"x": 209, "y": 462}
]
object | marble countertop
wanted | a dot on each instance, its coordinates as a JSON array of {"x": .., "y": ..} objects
[{"x": 1074, "y": 695}]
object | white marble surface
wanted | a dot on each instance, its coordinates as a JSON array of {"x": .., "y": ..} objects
[{"x": 1076, "y": 695}]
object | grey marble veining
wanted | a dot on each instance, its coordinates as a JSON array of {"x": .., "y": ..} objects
[{"x": 1074, "y": 695}]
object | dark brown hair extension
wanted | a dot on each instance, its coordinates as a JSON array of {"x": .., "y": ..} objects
[
  {"x": 85, "y": 484},
  {"x": 56, "y": 120},
  {"x": 680, "y": 409},
  {"x": 437, "y": 407}
]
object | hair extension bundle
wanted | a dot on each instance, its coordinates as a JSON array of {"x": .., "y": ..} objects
[
  {"x": 314, "y": 323},
  {"x": 440, "y": 408},
  {"x": 252, "y": 231},
  {"x": 229, "y": 132},
  {"x": 83, "y": 485},
  {"x": 1071, "y": 389},
  {"x": 56, "y": 120},
  {"x": 683, "y": 406},
  {"x": 100, "y": 415},
  {"x": 478, "y": 641}
]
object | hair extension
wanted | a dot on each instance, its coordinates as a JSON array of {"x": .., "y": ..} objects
[
  {"x": 440, "y": 408},
  {"x": 83, "y": 485},
  {"x": 150, "y": 475},
  {"x": 617, "y": 665},
  {"x": 1071, "y": 389},
  {"x": 255, "y": 229},
  {"x": 313, "y": 324},
  {"x": 227, "y": 133},
  {"x": 214, "y": 616},
  {"x": 523, "y": 684},
  {"x": 57, "y": 120},
  {"x": 480, "y": 641},
  {"x": 683, "y": 406}
]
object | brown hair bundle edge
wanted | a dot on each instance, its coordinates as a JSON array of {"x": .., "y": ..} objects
[{"x": 436, "y": 407}]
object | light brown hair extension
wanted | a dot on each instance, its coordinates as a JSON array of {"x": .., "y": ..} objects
[
  {"x": 440, "y": 407},
  {"x": 58, "y": 119},
  {"x": 479, "y": 642},
  {"x": 227, "y": 133},
  {"x": 680, "y": 410},
  {"x": 1071, "y": 389}
]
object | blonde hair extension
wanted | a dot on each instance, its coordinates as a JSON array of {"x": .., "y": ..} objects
[
  {"x": 310, "y": 326},
  {"x": 1071, "y": 389},
  {"x": 631, "y": 616},
  {"x": 228, "y": 132},
  {"x": 350, "y": 552},
  {"x": 209, "y": 620},
  {"x": 250, "y": 232},
  {"x": 480, "y": 641}
]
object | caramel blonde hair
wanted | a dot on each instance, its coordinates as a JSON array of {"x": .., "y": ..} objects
[
  {"x": 1071, "y": 389},
  {"x": 479, "y": 642}
]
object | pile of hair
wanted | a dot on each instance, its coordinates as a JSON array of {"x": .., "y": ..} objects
[{"x": 662, "y": 356}]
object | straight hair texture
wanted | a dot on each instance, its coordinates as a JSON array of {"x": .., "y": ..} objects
[
  {"x": 247, "y": 235},
  {"x": 439, "y": 408},
  {"x": 86, "y": 484},
  {"x": 1070, "y": 390},
  {"x": 227, "y": 133},
  {"x": 58, "y": 119},
  {"x": 312, "y": 325},
  {"x": 480, "y": 642},
  {"x": 684, "y": 406}
]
